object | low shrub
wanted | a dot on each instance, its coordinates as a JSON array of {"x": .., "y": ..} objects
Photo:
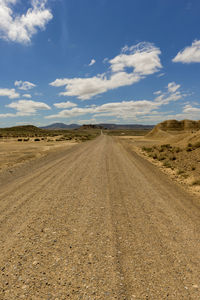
[
  {"x": 173, "y": 157},
  {"x": 147, "y": 149},
  {"x": 177, "y": 149},
  {"x": 196, "y": 182},
  {"x": 167, "y": 164},
  {"x": 179, "y": 172},
  {"x": 161, "y": 157},
  {"x": 189, "y": 149}
]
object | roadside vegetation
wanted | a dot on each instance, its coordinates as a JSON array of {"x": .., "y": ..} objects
[{"x": 185, "y": 161}]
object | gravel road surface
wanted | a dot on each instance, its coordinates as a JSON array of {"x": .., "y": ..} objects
[{"x": 97, "y": 222}]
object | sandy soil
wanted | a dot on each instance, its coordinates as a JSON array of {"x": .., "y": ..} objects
[
  {"x": 14, "y": 153},
  {"x": 97, "y": 221},
  {"x": 185, "y": 161}
]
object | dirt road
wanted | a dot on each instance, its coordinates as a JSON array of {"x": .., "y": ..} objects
[{"x": 97, "y": 222}]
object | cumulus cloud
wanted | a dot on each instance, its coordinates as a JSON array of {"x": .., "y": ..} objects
[
  {"x": 10, "y": 93},
  {"x": 24, "y": 85},
  {"x": 93, "y": 61},
  {"x": 143, "y": 58},
  {"x": 129, "y": 67},
  {"x": 27, "y": 107},
  {"x": 67, "y": 104},
  {"x": 21, "y": 28},
  {"x": 190, "y": 54}
]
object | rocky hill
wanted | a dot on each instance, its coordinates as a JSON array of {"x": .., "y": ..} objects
[{"x": 170, "y": 127}]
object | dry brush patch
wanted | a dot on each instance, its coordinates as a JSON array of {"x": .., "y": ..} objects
[{"x": 184, "y": 161}]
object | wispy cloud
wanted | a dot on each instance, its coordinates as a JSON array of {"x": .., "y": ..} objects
[
  {"x": 93, "y": 61},
  {"x": 172, "y": 94},
  {"x": 160, "y": 75},
  {"x": 190, "y": 54},
  {"x": 143, "y": 59},
  {"x": 21, "y": 28},
  {"x": 24, "y": 85},
  {"x": 173, "y": 87}
]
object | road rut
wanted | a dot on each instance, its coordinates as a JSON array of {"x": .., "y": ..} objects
[{"x": 97, "y": 222}]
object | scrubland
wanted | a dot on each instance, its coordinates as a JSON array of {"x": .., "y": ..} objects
[{"x": 22, "y": 143}]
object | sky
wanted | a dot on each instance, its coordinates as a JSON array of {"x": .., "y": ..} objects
[{"x": 99, "y": 61}]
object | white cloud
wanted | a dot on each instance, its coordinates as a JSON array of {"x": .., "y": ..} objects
[
  {"x": 21, "y": 28},
  {"x": 24, "y": 85},
  {"x": 77, "y": 111},
  {"x": 189, "y": 109},
  {"x": 172, "y": 94},
  {"x": 173, "y": 87},
  {"x": 10, "y": 93},
  {"x": 161, "y": 75},
  {"x": 27, "y": 107},
  {"x": 190, "y": 54},
  {"x": 93, "y": 61},
  {"x": 157, "y": 92},
  {"x": 143, "y": 59},
  {"x": 7, "y": 115},
  {"x": 26, "y": 96},
  {"x": 67, "y": 104},
  {"x": 125, "y": 110}
]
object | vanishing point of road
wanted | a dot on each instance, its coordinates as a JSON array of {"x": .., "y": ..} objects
[{"x": 97, "y": 221}]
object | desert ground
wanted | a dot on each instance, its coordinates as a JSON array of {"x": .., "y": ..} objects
[
  {"x": 97, "y": 220},
  {"x": 14, "y": 153},
  {"x": 20, "y": 144}
]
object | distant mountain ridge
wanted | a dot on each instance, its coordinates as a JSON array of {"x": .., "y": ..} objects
[
  {"x": 61, "y": 126},
  {"x": 104, "y": 125}
]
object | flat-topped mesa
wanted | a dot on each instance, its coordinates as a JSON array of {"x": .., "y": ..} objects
[
  {"x": 174, "y": 125},
  {"x": 91, "y": 126},
  {"x": 170, "y": 127}
]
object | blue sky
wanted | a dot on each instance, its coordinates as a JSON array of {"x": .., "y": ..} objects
[{"x": 94, "y": 61}]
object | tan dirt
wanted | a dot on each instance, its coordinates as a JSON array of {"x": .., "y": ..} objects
[
  {"x": 14, "y": 153},
  {"x": 97, "y": 222}
]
